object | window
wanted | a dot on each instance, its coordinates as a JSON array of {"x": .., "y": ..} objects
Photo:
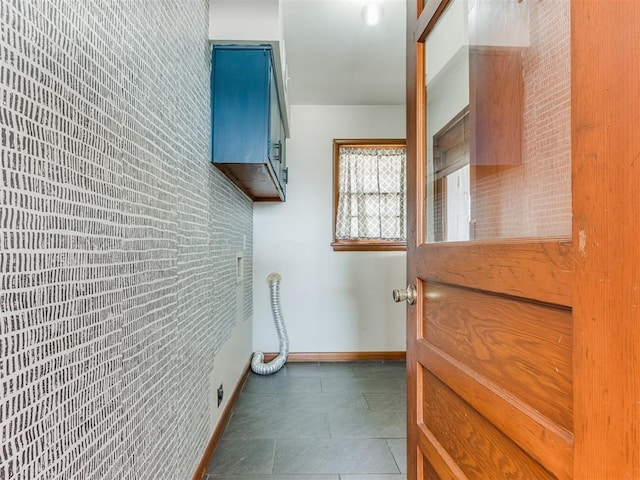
[
  {"x": 451, "y": 179},
  {"x": 369, "y": 194}
]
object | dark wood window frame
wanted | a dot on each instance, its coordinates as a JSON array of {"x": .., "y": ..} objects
[{"x": 360, "y": 244}]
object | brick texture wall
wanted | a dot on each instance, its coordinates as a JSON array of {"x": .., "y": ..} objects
[
  {"x": 117, "y": 240},
  {"x": 534, "y": 199}
]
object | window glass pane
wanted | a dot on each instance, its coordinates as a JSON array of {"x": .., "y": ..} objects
[
  {"x": 371, "y": 202},
  {"x": 498, "y": 121}
]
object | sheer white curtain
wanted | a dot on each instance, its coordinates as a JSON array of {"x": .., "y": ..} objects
[{"x": 372, "y": 194}]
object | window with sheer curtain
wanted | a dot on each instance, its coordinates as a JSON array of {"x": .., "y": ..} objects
[{"x": 369, "y": 187}]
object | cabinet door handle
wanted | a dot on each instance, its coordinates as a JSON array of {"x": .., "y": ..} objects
[
  {"x": 285, "y": 175},
  {"x": 277, "y": 147}
]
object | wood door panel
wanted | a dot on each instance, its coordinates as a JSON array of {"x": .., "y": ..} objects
[
  {"x": 550, "y": 444},
  {"x": 523, "y": 347},
  {"x": 479, "y": 449},
  {"x": 429, "y": 473},
  {"x": 538, "y": 270},
  {"x": 435, "y": 462}
]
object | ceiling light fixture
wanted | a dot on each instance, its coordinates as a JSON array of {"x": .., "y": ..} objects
[{"x": 372, "y": 13}]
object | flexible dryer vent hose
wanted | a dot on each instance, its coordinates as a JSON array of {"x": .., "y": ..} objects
[{"x": 257, "y": 361}]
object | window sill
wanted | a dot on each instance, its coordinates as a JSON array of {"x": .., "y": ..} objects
[{"x": 368, "y": 246}]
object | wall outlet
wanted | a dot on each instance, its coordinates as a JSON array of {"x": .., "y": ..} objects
[{"x": 220, "y": 394}]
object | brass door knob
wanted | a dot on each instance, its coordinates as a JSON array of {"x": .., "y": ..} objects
[{"x": 409, "y": 295}]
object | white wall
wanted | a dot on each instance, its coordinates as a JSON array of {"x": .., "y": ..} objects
[
  {"x": 331, "y": 301},
  {"x": 232, "y": 359},
  {"x": 247, "y": 20}
]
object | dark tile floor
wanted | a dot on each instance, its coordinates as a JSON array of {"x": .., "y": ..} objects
[{"x": 317, "y": 421}]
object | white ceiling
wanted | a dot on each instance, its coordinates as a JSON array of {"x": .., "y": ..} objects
[{"x": 333, "y": 58}]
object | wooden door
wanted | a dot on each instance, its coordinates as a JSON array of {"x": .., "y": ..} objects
[{"x": 523, "y": 346}]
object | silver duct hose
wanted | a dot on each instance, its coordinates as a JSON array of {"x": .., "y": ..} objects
[{"x": 257, "y": 361}]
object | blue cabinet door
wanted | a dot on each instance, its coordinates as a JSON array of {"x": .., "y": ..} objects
[{"x": 240, "y": 104}]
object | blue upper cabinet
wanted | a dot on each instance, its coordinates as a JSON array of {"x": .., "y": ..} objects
[{"x": 248, "y": 136}]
